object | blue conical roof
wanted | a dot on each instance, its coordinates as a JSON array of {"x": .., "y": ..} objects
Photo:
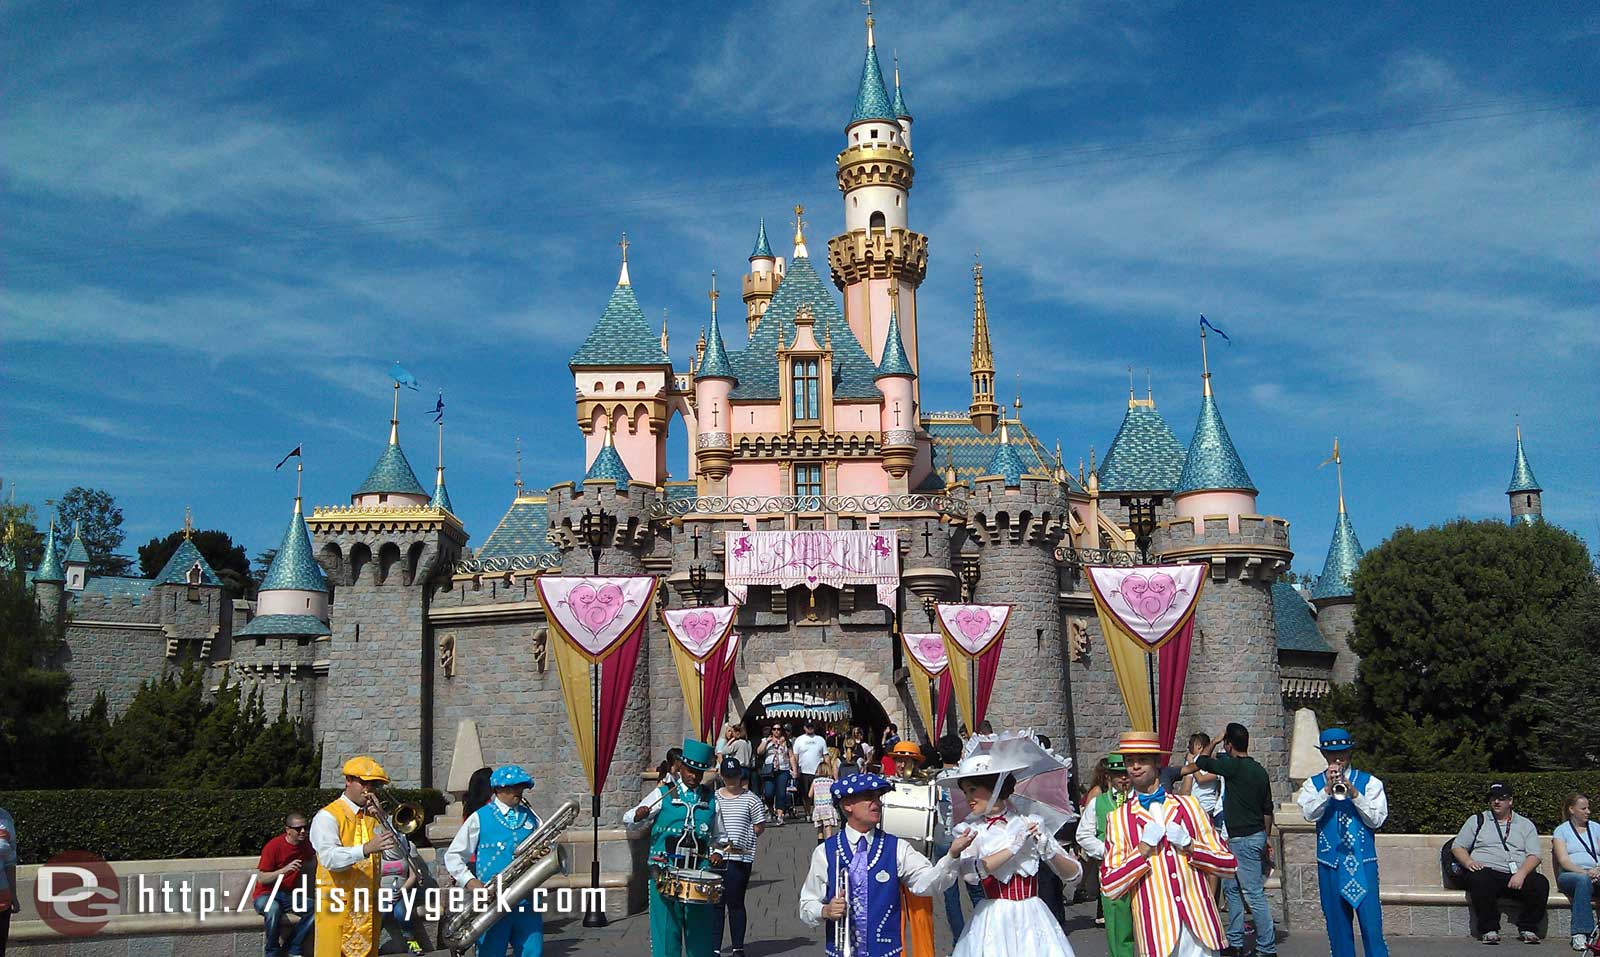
[
  {"x": 716, "y": 364},
  {"x": 1522, "y": 479},
  {"x": 900, "y": 111},
  {"x": 622, "y": 336},
  {"x": 1145, "y": 456},
  {"x": 609, "y": 465},
  {"x": 76, "y": 553},
  {"x": 293, "y": 567},
  {"x": 176, "y": 570},
  {"x": 1344, "y": 553},
  {"x": 1006, "y": 461},
  {"x": 441, "y": 496},
  {"x": 872, "y": 99},
  {"x": 1212, "y": 463},
  {"x": 392, "y": 475},
  {"x": 763, "y": 248},
  {"x": 895, "y": 361},
  {"x": 50, "y": 569}
]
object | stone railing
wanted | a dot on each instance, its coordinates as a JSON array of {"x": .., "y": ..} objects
[
  {"x": 506, "y": 563},
  {"x": 784, "y": 504},
  {"x": 1078, "y": 557}
]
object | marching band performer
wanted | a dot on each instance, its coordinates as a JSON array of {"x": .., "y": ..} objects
[
  {"x": 1004, "y": 851},
  {"x": 1347, "y": 806},
  {"x": 349, "y": 841},
  {"x": 861, "y": 872},
  {"x": 681, "y": 812},
  {"x": 489, "y": 840},
  {"x": 917, "y": 931},
  {"x": 1157, "y": 845}
]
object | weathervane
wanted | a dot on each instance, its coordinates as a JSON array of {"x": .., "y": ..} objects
[{"x": 188, "y": 524}]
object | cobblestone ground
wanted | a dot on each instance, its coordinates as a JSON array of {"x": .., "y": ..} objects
[{"x": 775, "y": 927}]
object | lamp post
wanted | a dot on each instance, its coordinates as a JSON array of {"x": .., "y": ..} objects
[
  {"x": 970, "y": 573},
  {"x": 1142, "y": 520},
  {"x": 592, "y": 529},
  {"x": 697, "y": 583}
]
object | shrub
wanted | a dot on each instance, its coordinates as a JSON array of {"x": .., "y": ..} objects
[
  {"x": 1438, "y": 802},
  {"x": 137, "y": 824}
]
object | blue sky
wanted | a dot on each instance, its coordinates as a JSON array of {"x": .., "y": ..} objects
[{"x": 223, "y": 221}]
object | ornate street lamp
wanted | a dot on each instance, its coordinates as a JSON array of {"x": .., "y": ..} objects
[
  {"x": 970, "y": 573},
  {"x": 592, "y": 528},
  {"x": 697, "y": 583},
  {"x": 1142, "y": 520}
]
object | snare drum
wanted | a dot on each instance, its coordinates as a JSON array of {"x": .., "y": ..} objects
[
  {"x": 910, "y": 811},
  {"x": 690, "y": 886}
]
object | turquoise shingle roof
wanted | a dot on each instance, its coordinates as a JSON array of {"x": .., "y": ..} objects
[
  {"x": 1344, "y": 553},
  {"x": 621, "y": 337},
  {"x": 1522, "y": 479},
  {"x": 1295, "y": 621},
  {"x": 1144, "y": 457},
  {"x": 608, "y": 464},
  {"x": 441, "y": 496},
  {"x": 176, "y": 570},
  {"x": 1005, "y": 461},
  {"x": 958, "y": 442},
  {"x": 757, "y": 366},
  {"x": 895, "y": 361},
  {"x": 872, "y": 99},
  {"x": 716, "y": 364},
  {"x": 50, "y": 568},
  {"x": 763, "y": 248},
  {"x": 1212, "y": 463},
  {"x": 391, "y": 475},
  {"x": 681, "y": 490},
  {"x": 284, "y": 626},
  {"x": 523, "y": 530},
  {"x": 900, "y": 111},
  {"x": 76, "y": 553},
  {"x": 112, "y": 586},
  {"x": 294, "y": 568}
]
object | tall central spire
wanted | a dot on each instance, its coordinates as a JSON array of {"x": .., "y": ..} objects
[{"x": 985, "y": 412}]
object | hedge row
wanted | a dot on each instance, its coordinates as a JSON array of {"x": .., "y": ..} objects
[
  {"x": 137, "y": 824},
  {"x": 1438, "y": 802}
]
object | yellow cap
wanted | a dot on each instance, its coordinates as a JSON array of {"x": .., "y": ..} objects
[{"x": 366, "y": 769}]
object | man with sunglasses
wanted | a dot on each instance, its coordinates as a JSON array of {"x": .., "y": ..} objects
[
  {"x": 284, "y": 864},
  {"x": 1499, "y": 849}
]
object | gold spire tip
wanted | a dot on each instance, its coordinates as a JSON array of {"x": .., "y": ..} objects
[{"x": 799, "y": 225}]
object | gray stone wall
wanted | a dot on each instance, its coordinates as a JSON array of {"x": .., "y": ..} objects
[
  {"x": 103, "y": 657},
  {"x": 1336, "y": 620},
  {"x": 1098, "y": 714},
  {"x": 282, "y": 669}
]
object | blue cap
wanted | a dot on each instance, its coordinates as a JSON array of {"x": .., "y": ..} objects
[
  {"x": 857, "y": 784},
  {"x": 731, "y": 768},
  {"x": 1335, "y": 739},
  {"x": 509, "y": 775}
]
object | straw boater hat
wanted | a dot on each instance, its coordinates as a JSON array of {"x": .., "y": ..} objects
[
  {"x": 907, "y": 750},
  {"x": 981, "y": 765},
  {"x": 1140, "y": 742}
]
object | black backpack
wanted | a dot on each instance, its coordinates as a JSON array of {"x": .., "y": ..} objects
[{"x": 1451, "y": 872}]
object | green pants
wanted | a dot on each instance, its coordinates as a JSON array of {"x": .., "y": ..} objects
[
  {"x": 682, "y": 930},
  {"x": 1118, "y": 912}
]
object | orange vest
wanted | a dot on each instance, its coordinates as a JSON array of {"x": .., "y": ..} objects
[{"x": 349, "y": 932}]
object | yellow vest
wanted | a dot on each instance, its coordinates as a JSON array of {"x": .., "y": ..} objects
[{"x": 349, "y": 932}]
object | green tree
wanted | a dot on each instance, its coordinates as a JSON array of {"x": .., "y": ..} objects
[
  {"x": 228, "y": 560},
  {"x": 100, "y": 522},
  {"x": 21, "y": 541},
  {"x": 263, "y": 563},
  {"x": 149, "y": 741},
  {"x": 39, "y": 740},
  {"x": 1568, "y": 689},
  {"x": 1454, "y": 626}
]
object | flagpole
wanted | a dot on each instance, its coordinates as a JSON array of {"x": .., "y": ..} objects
[
  {"x": 394, "y": 418},
  {"x": 1205, "y": 362}
]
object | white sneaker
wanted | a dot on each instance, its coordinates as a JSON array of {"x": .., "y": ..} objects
[
  {"x": 1528, "y": 937},
  {"x": 1579, "y": 942},
  {"x": 1490, "y": 937}
]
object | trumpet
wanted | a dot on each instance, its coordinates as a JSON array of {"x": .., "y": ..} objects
[{"x": 1338, "y": 787}]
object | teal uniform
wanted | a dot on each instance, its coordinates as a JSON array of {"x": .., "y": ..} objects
[{"x": 678, "y": 929}]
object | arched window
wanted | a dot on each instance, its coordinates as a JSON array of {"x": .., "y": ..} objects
[
  {"x": 620, "y": 387},
  {"x": 599, "y": 387},
  {"x": 640, "y": 385},
  {"x": 806, "y": 399},
  {"x": 878, "y": 222}
]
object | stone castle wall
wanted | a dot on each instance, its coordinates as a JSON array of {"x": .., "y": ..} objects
[{"x": 1336, "y": 620}]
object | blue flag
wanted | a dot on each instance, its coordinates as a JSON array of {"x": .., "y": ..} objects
[
  {"x": 402, "y": 377},
  {"x": 1206, "y": 324},
  {"x": 438, "y": 410}
]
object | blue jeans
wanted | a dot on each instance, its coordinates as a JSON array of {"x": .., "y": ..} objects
[
  {"x": 952, "y": 896},
  {"x": 1579, "y": 889},
  {"x": 775, "y": 788},
  {"x": 271, "y": 908},
  {"x": 730, "y": 909},
  {"x": 1249, "y": 888}
]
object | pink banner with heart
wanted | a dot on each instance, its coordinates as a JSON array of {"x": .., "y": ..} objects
[
  {"x": 973, "y": 636},
  {"x": 595, "y": 615},
  {"x": 698, "y": 631},
  {"x": 1150, "y": 603},
  {"x": 927, "y": 650},
  {"x": 717, "y": 675},
  {"x": 973, "y": 627},
  {"x": 833, "y": 557}
]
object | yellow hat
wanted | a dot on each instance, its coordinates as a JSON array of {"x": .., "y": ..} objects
[
  {"x": 1140, "y": 742},
  {"x": 366, "y": 769}
]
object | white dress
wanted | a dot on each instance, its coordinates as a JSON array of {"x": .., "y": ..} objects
[{"x": 1025, "y": 927}]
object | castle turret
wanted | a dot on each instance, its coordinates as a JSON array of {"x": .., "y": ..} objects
[
  {"x": 761, "y": 281},
  {"x": 77, "y": 561},
  {"x": 898, "y": 418},
  {"x": 1145, "y": 458},
  {"x": 714, "y": 381},
  {"x": 900, "y": 112},
  {"x": 1331, "y": 593},
  {"x": 985, "y": 411},
  {"x": 49, "y": 578},
  {"x": 622, "y": 378},
  {"x": 441, "y": 495},
  {"x": 1214, "y": 480},
  {"x": 391, "y": 481},
  {"x": 875, "y": 174},
  {"x": 1524, "y": 490}
]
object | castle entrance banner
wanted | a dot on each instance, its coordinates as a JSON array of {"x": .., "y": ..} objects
[
  {"x": 717, "y": 677},
  {"x": 930, "y": 669},
  {"x": 973, "y": 635},
  {"x": 698, "y": 637},
  {"x": 1148, "y": 610},
  {"x": 833, "y": 557},
  {"x": 599, "y": 624}
]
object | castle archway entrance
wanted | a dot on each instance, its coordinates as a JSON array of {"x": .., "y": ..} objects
[
  {"x": 796, "y": 678},
  {"x": 832, "y": 701}
]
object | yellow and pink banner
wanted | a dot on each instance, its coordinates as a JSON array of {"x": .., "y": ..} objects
[
  {"x": 973, "y": 635},
  {"x": 703, "y": 642},
  {"x": 1148, "y": 610},
  {"x": 929, "y": 678}
]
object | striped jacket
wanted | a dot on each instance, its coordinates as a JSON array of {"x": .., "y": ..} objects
[{"x": 1168, "y": 889}]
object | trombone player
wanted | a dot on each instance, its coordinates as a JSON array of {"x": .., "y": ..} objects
[
  {"x": 1347, "y": 806},
  {"x": 489, "y": 839},
  {"x": 349, "y": 840}
]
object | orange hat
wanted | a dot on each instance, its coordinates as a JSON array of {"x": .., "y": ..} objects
[
  {"x": 1140, "y": 742},
  {"x": 905, "y": 749},
  {"x": 366, "y": 769}
]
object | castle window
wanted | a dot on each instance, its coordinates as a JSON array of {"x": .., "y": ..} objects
[
  {"x": 640, "y": 386},
  {"x": 619, "y": 387},
  {"x": 879, "y": 223},
  {"x": 805, "y": 390},
  {"x": 808, "y": 479},
  {"x": 599, "y": 387}
]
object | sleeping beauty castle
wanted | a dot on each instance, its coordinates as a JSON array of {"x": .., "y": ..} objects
[{"x": 806, "y": 421}]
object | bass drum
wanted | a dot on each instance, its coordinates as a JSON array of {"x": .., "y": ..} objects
[{"x": 911, "y": 812}]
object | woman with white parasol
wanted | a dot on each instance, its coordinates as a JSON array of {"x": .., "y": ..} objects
[{"x": 1014, "y": 835}]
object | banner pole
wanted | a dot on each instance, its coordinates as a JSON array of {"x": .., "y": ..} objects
[
  {"x": 1150, "y": 670},
  {"x": 595, "y": 916}
]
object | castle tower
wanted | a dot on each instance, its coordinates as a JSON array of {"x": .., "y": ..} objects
[
  {"x": 761, "y": 281},
  {"x": 1524, "y": 490},
  {"x": 1331, "y": 593},
  {"x": 622, "y": 378},
  {"x": 985, "y": 411},
  {"x": 900, "y": 112},
  {"x": 381, "y": 553},
  {"x": 898, "y": 419},
  {"x": 77, "y": 561},
  {"x": 875, "y": 174},
  {"x": 1236, "y": 636},
  {"x": 49, "y": 579},
  {"x": 714, "y": 381},
  {"x": 189, "y": 596},
  {"x": 441, "y": 495}
]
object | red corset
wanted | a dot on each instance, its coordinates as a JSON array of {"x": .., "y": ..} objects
[{"x": 1019, "y": 888}]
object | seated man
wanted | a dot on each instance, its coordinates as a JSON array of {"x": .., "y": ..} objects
[
  {"x": 285, "y": 862},
  {"x": 1500, "y": 851}
]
